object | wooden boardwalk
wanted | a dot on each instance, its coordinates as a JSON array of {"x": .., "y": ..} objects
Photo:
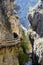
[{"x": 9, "y": 43}]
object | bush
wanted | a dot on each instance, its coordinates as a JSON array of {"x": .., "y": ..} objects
[
  {"x": 24, "y": 46},
  {"x": 23, "y": 58}
]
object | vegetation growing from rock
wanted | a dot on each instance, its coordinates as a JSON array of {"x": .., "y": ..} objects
[{"x": 23, "y": 58}]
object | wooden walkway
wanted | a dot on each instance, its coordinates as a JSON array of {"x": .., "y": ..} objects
[{"x": 9, "y": 43}]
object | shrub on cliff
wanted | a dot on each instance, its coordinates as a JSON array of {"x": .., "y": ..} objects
[
  {"x": 23, "y": 58},
  {"x": 24, "y": 46}
]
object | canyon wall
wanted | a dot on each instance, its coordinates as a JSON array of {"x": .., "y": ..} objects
[{"x": 35, "y": 17}]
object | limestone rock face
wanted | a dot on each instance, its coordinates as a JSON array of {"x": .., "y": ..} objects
[
  {"x": 35, "y": 17},
  {"x": 14, "y": 24},
  {"x": 8, "y": 56},
  {"x": 8, "y": 25},
  {"x": 9, "y": 20},
  {"x": 38, "y": 48}
]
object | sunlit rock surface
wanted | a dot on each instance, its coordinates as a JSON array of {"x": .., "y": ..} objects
[
  {"x": 9, "y": 24},
  {"x": 9, "y": 20},
  {"x": 35, "y": 17},
  {"x": 38, "y": 48}
]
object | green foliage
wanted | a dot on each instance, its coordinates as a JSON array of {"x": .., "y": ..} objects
[
  {"x": 23, "y": 58},
  {"x": 24, "y": 46},
  {"x": 24, "y": 42}
]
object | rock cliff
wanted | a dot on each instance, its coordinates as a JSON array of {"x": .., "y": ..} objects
[
  {"x": 12, "y": 52},
  {"x": 9, "y": 20},
  {"x": 35, "y": 17},
  {"x": 9, "y": 30}
]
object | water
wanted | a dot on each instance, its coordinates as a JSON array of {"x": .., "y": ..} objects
[
  {"x": 24, "y": 7},
  {"x": 29, "y": 63}
]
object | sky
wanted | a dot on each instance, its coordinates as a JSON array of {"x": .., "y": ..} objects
[{"x": 24, "y": 7}]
